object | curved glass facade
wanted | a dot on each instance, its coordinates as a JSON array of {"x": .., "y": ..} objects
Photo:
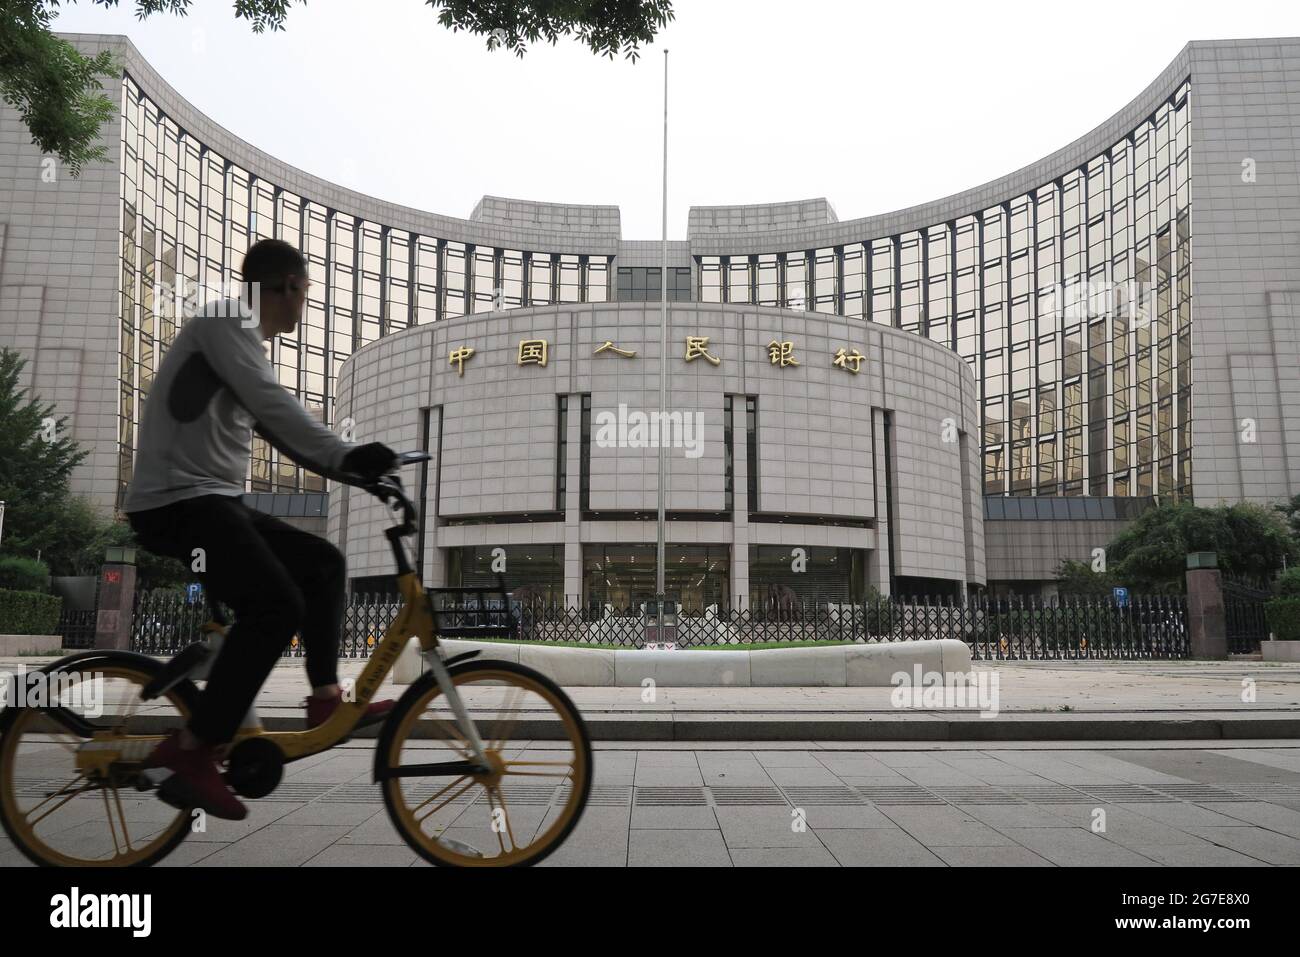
[
  {"x": 1072, "y": 304},
  {"x": 188, "y": 215}
]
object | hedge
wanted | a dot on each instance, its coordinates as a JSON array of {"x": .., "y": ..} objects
[
  {"x": 1283, "y": 616},
  {"x": 1288, "y": 583},
  {"x": 24, "y": 574},
  {"x": 28, "y": 613}
]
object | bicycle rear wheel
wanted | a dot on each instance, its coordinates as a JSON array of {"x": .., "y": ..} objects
[
  {"x": 70, "y": 786},
  {"x": 520, "y": 810}
]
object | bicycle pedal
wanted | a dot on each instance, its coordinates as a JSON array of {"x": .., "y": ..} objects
[
  {"x": 151, "y": 779},
  {"x": 172, "y": 797}
]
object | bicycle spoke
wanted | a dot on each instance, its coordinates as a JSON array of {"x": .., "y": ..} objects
[
  {"x": 71, "y": 745},
  {"x": 133, "y": 704},
  {"x": 455, "y": 733},
  {"x": 512, "y": 703},
  {"x": 82, "y": 790},
  {"x": 444, "y": 803},
  {"x": 112, "y": 831},
  {"x": 121, "y": 813}
]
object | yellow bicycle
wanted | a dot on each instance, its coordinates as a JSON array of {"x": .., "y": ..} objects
[{"x": 480, "y": 764}]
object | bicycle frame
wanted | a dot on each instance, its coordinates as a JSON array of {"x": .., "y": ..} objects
[{"x": 414, "y": 620}]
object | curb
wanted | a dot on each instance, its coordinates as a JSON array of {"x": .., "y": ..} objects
[{"x": 919, "y": 726}]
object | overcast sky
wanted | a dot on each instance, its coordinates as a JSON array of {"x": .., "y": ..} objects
[{"x": 874, "y": 106}]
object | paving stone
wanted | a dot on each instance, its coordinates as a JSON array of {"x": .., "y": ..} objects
[
  {"x": 1008, "y": 855},
  {"x": 276, "y": 845},
  {"x": 1200, "y": 854},
  {"x": 1075, "y": 847},
  {"x": 877, "y": 847},
  {"x": 944, "y": 827},
  {"x": 783, "y": 857},
  {"x": 680, "y": 818},
  {"x": 363, "y": 855},
  {"x": 761, "y": 827},
  {"x": 1280, "y": 819},
  {"x": 327, "y": 812},
  {"x": 666, "y": 848},
  {"x": 1260, "y": 844}
]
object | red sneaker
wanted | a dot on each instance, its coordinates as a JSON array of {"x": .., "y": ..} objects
[
  {"x": 196, "y": 780},
  {"x": 320, "y": 709}
]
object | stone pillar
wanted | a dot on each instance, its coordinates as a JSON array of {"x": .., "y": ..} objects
[
  {"x": 1206, "y": 622},
  {"x": 116, "y": 603},
  {"x": 434, "y": 572},
  {"x": 739, "y": 507},
  {"x": 878, "y": 557},
  {"x": 573, "y": 597}
]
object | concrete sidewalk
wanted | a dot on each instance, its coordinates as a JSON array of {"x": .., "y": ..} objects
[
  {"x": 1035, "y": 701},
  {"x": 1211, "y": 804}
]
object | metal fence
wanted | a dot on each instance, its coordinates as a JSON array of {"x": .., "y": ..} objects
[
  {"x": 1146, "y": 627},
  {"x": 1014, "y": 628},
  {"x": 77, "y": 628},
  {"x": 1243, "y": 611}
]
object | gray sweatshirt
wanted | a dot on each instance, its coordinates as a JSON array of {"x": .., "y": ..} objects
[{"x": 213, "y": 389}]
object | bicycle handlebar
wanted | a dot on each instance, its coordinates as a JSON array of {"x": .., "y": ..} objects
[{"x": 388, "y": 488}]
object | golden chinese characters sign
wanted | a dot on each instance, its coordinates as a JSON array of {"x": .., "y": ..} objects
[{"x": 780, "y": 352}]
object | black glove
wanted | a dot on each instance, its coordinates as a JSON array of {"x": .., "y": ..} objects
[{"x": 370, "y": 461}]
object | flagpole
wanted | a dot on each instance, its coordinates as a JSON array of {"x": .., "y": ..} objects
[{"x": 660, "y": 595}]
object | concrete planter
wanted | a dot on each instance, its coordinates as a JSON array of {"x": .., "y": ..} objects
[
  {"x": 29, "y": 644},
  {"x": 1280, "y": 650},
  {"x": 859, "y": 665}
]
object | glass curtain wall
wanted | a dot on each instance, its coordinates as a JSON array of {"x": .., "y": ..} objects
[
  {"x": 1072, "y": 304},
  {"x": 188, "y": 215}
]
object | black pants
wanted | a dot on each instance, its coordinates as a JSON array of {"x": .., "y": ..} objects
[{"x": 279, "y": 580}]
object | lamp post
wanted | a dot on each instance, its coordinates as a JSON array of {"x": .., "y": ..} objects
[
  {"x": 663, "y": 385},
  {"x": 2, "y": 521}
]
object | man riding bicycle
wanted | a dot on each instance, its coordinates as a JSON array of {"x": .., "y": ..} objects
[{"x": 213, "y": 389}]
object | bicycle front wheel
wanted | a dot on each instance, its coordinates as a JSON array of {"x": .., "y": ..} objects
[
  {"x": 71, "y": 791},
  {"x": 519, "y": 810}
]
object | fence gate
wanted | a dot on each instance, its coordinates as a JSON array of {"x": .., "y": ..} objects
[{"x": 1243, "y": 612}]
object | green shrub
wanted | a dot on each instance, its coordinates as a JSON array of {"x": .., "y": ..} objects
[
  {"x": 24, "y": 574},
  {"x": 28, "y": 613},
  {"x": 1288, "y": 583},
  {"x": 880, "y": 616},
  {"x": 1283, "y": 616}
]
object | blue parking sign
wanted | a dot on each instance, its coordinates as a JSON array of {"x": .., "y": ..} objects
[
  {"x": 192, "y": 592},
  {"x": 1121, "y": 597}
]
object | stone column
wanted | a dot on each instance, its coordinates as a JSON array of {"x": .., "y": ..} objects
[
  {"x": 116, "y": 603},
  {"x": 1206, "y": 621},
  {"x": 573, "y": 504},
  {"x": 878, "y": 557},
  {"x": 739, "y": 506},
  {"x": 434, "y": 572}
]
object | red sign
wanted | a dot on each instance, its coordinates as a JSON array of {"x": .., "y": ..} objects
[{"x": 112, "y": 578}]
